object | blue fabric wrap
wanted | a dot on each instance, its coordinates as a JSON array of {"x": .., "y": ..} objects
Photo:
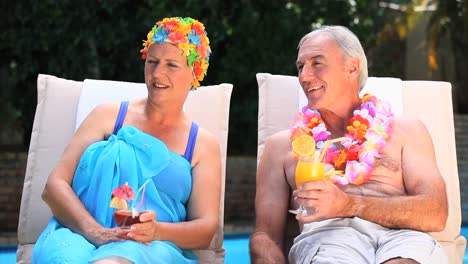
[{"x": 132, "y": 157}]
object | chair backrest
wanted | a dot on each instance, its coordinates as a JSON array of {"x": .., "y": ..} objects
[
  {"x": 62, "y": 104},
  {"x": 430, "y": 101}
]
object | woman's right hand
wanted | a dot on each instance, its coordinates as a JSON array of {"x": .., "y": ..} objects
[
  {"x": 103, "y": 235},
  {"x": 145, "y": 231}
]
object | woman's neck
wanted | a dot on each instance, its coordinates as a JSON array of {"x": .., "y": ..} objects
[{"x": 164, "y": 115}]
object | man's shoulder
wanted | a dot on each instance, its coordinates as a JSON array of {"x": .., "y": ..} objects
[
  {"x": 406, "y": 122},
  {"x": 408, "y": 127},
  {"x": 283, "y": 135},
  {"x": 279, "y": 139}
]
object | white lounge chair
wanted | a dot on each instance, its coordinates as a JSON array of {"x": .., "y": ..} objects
[
  {"x": 430, "y": 101},
  {"x": 61, "y": 105}
]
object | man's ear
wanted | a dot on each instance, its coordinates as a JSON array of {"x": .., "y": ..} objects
[{"x": 353, "y": 68}]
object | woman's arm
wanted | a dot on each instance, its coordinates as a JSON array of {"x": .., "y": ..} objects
[
  {"x": 58, "y": 193},
  {"x": 203, "y": 206}
]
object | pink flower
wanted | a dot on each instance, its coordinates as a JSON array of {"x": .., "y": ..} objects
[
  {"x": 320, "y": 132},
  {"x": 339, "y": 180},
  {"x": 368, "y": 132},
  {"x": 367, "y": 156},
  {"x": 357, "y": 172}
]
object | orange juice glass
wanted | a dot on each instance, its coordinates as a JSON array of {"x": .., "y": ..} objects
[{"x": 308, "y": 169}]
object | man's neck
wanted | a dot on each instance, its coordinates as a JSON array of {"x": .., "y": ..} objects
[{"x": 336, "y": 120}]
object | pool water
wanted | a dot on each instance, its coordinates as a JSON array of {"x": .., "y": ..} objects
[
  {"x": 8, "y": 254},
  {"x": 237, "y": 249}
]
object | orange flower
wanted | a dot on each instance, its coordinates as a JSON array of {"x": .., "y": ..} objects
[
  {"x": 340, "y": 161},
  {"x": 313, "y": 122},
  {"x": 358, "y": 127},
  {"x": 197, "y": 69}
]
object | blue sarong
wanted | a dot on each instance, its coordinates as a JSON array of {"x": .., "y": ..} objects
[{"x": 132, "y": 157}]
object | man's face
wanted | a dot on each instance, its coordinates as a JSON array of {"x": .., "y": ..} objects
[{"x": 324, "y": 74}]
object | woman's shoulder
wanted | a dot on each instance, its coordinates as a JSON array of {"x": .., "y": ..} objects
[
  {"x": 207, "y": 137},
  {"x": 102, "y": 117},
  {"x": 110, "y": 110},
  {"x": 207, "y": 147},
  {"x": 106, "y": 108}
]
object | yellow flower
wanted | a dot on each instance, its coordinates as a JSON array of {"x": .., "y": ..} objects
[{"x": 185, "y": 47}]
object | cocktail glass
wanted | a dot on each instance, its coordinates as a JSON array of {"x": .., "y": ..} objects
[
  {"x": 307, "y": 169},
  {"x": 126, "y": 218}
]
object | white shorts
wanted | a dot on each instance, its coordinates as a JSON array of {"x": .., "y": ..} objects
[{"x": 354, "y": 240}]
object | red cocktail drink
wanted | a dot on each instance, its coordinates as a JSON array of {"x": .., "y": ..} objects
[{"x": 124, "y": 218}]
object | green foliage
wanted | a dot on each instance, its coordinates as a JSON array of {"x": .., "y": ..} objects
[
  {"x": 101, "y": 39},
  {"x": 450, "y": 19}
]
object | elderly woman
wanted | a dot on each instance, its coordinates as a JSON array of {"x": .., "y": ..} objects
[{"x": 148, "y": 143}]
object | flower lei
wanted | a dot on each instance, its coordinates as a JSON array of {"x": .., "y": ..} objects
[
  {"x": 368, "y": 132},
  {"x": 187, "y": 34}
]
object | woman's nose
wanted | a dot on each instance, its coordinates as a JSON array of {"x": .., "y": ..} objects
[{"x": 156, "y": 70}]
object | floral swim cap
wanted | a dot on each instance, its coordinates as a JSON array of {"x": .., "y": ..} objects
[{"x": 187, "y": 34}]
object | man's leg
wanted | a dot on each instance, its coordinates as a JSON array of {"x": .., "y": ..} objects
[
  {"x": 398, "y": 246},
  {"x": 332, "y": 245}
]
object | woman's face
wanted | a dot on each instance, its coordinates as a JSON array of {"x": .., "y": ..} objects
[{"x": 167, "y": 72}]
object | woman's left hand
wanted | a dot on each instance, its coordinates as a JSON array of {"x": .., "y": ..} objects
[{"x": 145, "y": 231}]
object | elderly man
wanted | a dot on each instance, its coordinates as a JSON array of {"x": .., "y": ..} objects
[{"x": 382, "y": 191}]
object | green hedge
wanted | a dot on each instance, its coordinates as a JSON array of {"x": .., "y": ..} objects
[{"x": 101, "y": 39}]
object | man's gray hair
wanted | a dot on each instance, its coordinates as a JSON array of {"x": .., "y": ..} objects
[{"x": 348, "y": 42}]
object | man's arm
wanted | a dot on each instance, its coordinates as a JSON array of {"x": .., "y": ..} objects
[
  {"x": 423, "y": 206},
  {"x": 271, "y": 202}
]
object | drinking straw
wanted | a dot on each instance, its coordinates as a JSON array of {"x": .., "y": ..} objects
[
  {"x": 142, "y": 195},
  {"x": 327, "y": 144},
  {"x": 140, "y": 190}
]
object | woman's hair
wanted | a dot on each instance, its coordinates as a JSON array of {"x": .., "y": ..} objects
[
  {"x": 348, "y": 42},
  {"x": 187, "y": 34}
]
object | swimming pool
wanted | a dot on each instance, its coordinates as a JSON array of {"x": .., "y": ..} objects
[
  {"x": 237, "y": 249},
  {"x": 7, "y": 254}
]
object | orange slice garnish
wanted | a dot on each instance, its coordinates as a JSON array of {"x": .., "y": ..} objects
[
  {"x": 118, "y": 203},
  {"x": 304, "y": 145}
]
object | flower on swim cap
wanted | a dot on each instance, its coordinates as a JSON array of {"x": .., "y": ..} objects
[{"x": 187, "y": 34}]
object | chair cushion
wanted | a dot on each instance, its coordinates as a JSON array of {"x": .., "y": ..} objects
[
  {"x": 53, "y": 126},
  {"x": 95, "y": 92},
  {"x": 438, "y": 118}
]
